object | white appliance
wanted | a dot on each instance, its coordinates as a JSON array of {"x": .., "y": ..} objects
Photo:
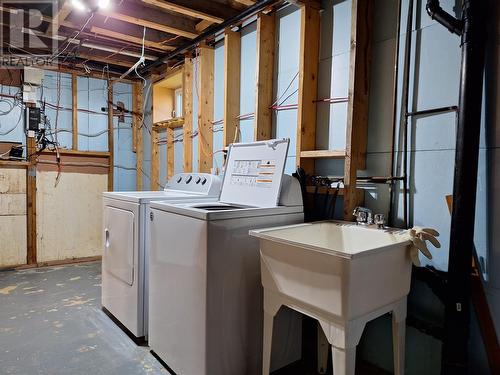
[
  {"x": 124, "y": 260},
  {"x": 205, "y": 292}
]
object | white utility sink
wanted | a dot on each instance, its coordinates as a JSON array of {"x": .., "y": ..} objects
[{"x": 340, "y": 273}]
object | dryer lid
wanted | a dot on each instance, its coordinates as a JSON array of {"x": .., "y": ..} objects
[{"x": 254, "y": 173}]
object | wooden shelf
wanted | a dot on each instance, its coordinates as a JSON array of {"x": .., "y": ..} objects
[
  {"x": 323, "y": 154},
  {"x": 174, "y": 123}
]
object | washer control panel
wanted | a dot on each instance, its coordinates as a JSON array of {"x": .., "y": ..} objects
[{"x": 203, "y": 183}]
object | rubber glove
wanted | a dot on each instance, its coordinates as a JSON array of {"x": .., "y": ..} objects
[{"x": 419, "y": 236}]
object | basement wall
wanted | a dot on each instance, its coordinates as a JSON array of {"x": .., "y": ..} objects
[
  {"x": 12, "y": 216},
  {"x": 68, "y": 212}
]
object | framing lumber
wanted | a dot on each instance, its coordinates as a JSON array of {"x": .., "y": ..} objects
[
  {"x": 357, "y": 109},
  {"x": 31, "y": 201},
  {"x": 104, "y": 60},
  {"x": 137, "y": 105},
  {"x": 232, "y": 61},
  {"x": 152, "y": 19},
  {"x": 308, "y": 83},
  {"x": 173, "y": 123},
  {"x": 129, "y": 38},
  {"x": 155, "y": 161},
  {"x": 59, "y": 17},
  {"x": 246, "y": 2},
  {"x": 74, "y": 111},
  {"x": 202, "y": 25},
  {"x": 205, "y": 109},
  {"x": 323, "y": 154},
  {"x": 111, "y": 146},
  {"x": 187, "y": 109},
  {"x": 173, "y": 7},
  {"x": 264, "y": 76},
  {"x": 170, "y": 153}
]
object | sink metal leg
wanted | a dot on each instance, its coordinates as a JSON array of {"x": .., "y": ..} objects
[
  {"x": 323, "y": 349},
  {"x": 344, "y": 361},
  {"x": 398, "y": 337},
  {"x": 271, "y": 306},
  {"x": 267, "y": 343}
]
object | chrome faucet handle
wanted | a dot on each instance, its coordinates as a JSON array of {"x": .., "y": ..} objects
[
  {"x": 379, "y": 219},
  {"x": 363, "y": 215}
]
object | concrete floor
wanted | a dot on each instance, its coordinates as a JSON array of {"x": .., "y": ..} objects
[{"x": 51, "y": 323}]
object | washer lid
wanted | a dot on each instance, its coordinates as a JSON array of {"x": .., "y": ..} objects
[{"x": 254, "y": 172}]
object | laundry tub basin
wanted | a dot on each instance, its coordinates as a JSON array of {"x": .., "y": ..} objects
[{"x": 340, "y": 268}]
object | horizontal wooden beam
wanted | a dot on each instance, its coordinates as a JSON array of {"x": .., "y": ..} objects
[
  {"x": 13, "y": 163},
  {"x": 130, "y": 38},
  {"x": 173, "y": 7},
  {"x": 105, "y": 60},
  {"x": 202, "y": 25},
  {"x": 323, "y": 154},
  {"x": 246, "y": 2},
  {"x": 152, "y": 19},
  {"x": 169, "y": 124}
]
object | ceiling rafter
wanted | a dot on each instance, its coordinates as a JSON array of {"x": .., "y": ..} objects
[
  {"x": 129, "y": 38},
  {"x": 173, "y": 7},
  {"x": 153, "y": 19}
]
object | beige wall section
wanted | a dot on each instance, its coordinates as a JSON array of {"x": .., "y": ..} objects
[
  {"x": 163, "y": 103},
  {"x": 69, "y": 216},
  {"x": 12, "y": 217}
]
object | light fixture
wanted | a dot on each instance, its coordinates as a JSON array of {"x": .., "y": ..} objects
[
  {"x": 103, "y": 4},
  {"x": 79, "y": 5}
]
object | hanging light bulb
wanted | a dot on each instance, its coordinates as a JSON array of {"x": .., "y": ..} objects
[
  {"x": 79, "y": 5},
  {"x": 103, "y": 4}
]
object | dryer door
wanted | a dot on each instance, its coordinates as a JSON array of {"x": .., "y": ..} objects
[{"x": 119, "y": 243}]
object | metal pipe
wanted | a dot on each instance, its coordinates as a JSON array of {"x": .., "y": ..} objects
[
  {"x": 248, "y": 12},
  {"x": 433, "y": 111},
  {"x": 438, "y": 14},
  {"x": 404, "y": 109},
  {"x": 394, "y": 109},
  {"x": 457, "y": 306}
]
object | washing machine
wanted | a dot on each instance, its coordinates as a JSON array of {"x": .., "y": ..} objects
[
  {"x": 125, "y": 242},
  {"x": 205, "y": 296}
]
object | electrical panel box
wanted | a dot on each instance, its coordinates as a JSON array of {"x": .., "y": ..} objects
[{"x": 32, "y": 118}]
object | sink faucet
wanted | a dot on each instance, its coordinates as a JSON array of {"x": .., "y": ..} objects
[{"x": 363, "y": 215}]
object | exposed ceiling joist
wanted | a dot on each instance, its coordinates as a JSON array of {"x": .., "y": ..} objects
[
  {"x": 129, "y": 38},
  {"x": 202, "y": 25},
  {"x": 153, "y": 19},
  {"x": 105, "y": 60},
  {"x": 173, "y": 7},
  {"x": 246, "y": 2},
  {"x": 61, "y": 15}
]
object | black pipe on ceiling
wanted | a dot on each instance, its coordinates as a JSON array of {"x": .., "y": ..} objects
[
  {"x": 457, "y": 304},
  {"x": 246, "y": 13}
]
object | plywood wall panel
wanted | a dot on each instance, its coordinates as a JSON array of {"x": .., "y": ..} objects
[
  {"x": 69, "y": 217},
  {"x": 12, "y": 181},
  {"x": 13, "y": 240},
  {"x": 12, "y": 217}
]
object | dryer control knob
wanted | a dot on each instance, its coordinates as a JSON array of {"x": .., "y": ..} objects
[
  {"x": 179, "y": 179},
  {"x": 198, "y": 179},
  {"x": 188, "y": 180},
  {"x": 204, "y": 181}
]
